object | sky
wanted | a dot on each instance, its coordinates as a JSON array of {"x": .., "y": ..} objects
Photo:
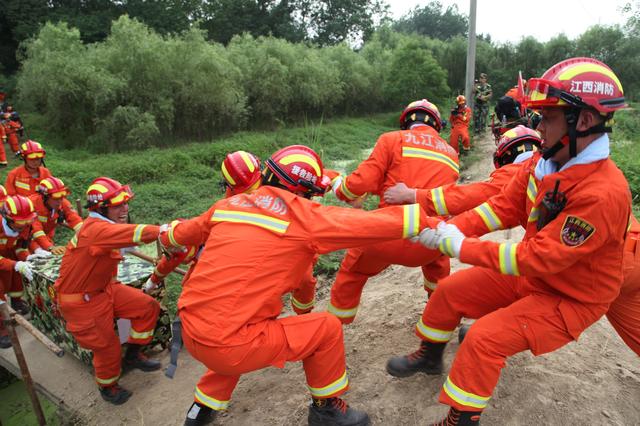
[{"x": 542, "y": 19}]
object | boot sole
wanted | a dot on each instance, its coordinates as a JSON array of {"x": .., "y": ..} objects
[
  {"x": 408, "y": 373},
  {"x": 120, "y": 400}
]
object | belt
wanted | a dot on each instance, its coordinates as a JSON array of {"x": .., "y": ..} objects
[{"x": 78, "y": 297}]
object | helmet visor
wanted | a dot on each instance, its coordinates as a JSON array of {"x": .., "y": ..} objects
[
  {"x": 35, "y": 155},
  {"x": 121, "y": 197},
  {"x": 59, "y": 194}
]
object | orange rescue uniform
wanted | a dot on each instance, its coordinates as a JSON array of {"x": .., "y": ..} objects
[
  {"x": 44, "y": 227},
  {"x": 258, "y": 248},
  {"x": 90, "y": 297},
  {"x": 460, "y": 128},
  {"x": 3, "y": 138},
  {"x": 11, "y": 129},
  {"x": 21, "y": 182},
  {"x": 12, "y": 249},
  {"x": 421, "y": 159},
  {"x": 539, "y": 294}
]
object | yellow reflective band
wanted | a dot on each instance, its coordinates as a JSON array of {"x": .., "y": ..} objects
[
  {"x": 437, "y": 196},
  {"x": 172, "y": 240},
  {"x": 489, "y": 217},
  {"x": 74, "y": 241},
  {"x": 430, "y": 285},
  {"x": 22, "y": 186},
  {"x": 534, "y": 214},
  {"x": 342, "y": 313},
  {"x": 39, "y": 234},
  {"x": 293, "y": 158},
  {"x": 3, "y": 241},
  {"x": 43, "y": 218},
  {"x": 433, "y": 334},
  {"x": 20, "y": 250},
  {"x": 158, "y": 273},
  {"x": 260, "y": 220},
  {"x": 78, "y": 226},
  {"x": 120, "y": 198},
  {"x": 137, "y": 233},
  {"x": 345, "y": 191},
  {"x": 214, "y": 404},
  {"x": 15, "y": 294},
  {"x": 585, "y": 68},
  {"x": 463, "y": 397},
  {"x": 227, "y": 176},
  {"x": 98, "y": 187},
  {"x": 532, "y": 189},
  {"x": 508, "y": 260},
  {"x": 247, "y": 161},
  {"x": 140, "y": 334},
  {"x": 109, "y": 381},
  {"x": 331, "y": 389},
  {"x": 446, "y": 247},
  {"x": 411, "y": 222},
  {"x": 430, "y": 155},
  {"x": 302, "y": 306},
  {"x": 11, "y": 204}
]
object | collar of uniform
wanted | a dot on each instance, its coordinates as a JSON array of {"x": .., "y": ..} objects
[
  {"x": 7, "y": 230},
  {"x": 97, "y": 215},
  {"x": 521, "y": 158},
  {"x": 595, "y": 151}
]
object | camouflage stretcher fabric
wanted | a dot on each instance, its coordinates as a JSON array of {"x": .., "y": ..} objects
[{"x": 46, "y": 317}]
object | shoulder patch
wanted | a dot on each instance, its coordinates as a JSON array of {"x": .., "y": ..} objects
[{"x": 576, "y": 231}]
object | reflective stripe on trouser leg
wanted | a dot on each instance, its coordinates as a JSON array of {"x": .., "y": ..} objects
[
  {"x": 464, "y": 398},
  {"x": 332, "y": 389},
  {"x": 208, "y": 399}
]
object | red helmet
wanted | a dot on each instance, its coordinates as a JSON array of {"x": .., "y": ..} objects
[
  {"x": 460, "y": 99},
  {"x": 577, "y": 82},
  {"x": 31, "y": 149},
  {"x": 52, "y": 187},
  {"x": 107, "y": 192},
  {"x": 241, "y": 171},
  {"x": 513, "y": 143},
  {"x": 298, "y": 168},
  {"x": 413, "y": 113},
  {"x": 18, "y": 209}
]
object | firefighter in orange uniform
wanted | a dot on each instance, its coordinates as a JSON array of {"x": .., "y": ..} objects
[
  {"x": 3, "y": 153},
  {"x": 24, "y": 179},
  {"x": 90, "y": 297},
  {"x": 417, "y": 156},
  {"x": 17, "y": 216},
  {"x": 12, "y": 128},
  {"x": 541, "y": 293},
  {"x": 258, "y": 247},
  {"x": 53, "y": 209},
  {"x": 515, "y": 146},
  {"x": 460, "y": 118}
]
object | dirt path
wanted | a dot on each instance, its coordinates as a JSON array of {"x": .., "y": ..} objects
[{"x": 593, "y": 382}]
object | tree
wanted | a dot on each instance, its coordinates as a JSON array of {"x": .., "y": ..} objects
[
  {"x": 432, "y": 21},
  {"x": 558, "y": 48}
]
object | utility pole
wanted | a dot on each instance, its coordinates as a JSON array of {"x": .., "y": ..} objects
[{"x": 471, "y": 54}]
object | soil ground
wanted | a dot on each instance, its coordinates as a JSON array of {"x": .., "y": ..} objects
[{"x": 595, "y": 381}]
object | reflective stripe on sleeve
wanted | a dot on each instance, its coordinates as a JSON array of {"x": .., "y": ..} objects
[
  {"x": 137, "y": 233},
  {"x": 437, "y": 196},
  {"x": 331, "y": 389},
  {"x": 463, "y": 397},
  {"x": 214, "y": 404},
  {"x": 411, "y": 223},
  {"x": 532, "y": 189},
  {"x": 430, "y": 155},
  {"x": 267, "y": 222},
  {"x": 508, "y": 260},
  {"x": 39, "y": 234},
  {"x": 302, "y": 306},
  {"x": 433, "y": 334},
  {"x": 22, "y": 185},
  {"x": 345, "y": 191},
  {"x": 140, "y": 334},
  {"x": 489, "y": 217}
]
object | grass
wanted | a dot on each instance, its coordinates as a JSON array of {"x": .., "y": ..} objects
[{"x": 17, "y": 410}]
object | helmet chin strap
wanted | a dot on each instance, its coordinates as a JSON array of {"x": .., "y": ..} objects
[{"x": 572, "y": 135}]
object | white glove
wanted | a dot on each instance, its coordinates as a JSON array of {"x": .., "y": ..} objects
[
  {"x": 148, "y": 286},
  {"x": 428, "y": 237},
  {"x": 39, "y": 254},
  {"x": 164, "y": 227},
  {"x": 24, "y": 269},
  {"x": 449, "y": 239}
]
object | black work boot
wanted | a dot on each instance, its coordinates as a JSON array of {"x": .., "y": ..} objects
[
  {"x": 134, "y": 358},
  {"x": 20, "y": 306},
  {"x": 199, "y": 414},
  {"x": 335, "y": 412},
  {"x": 5, "y": 341},
  {"x": 427, "y": 359},
  {"x": 459, "y": 418},
  {"x": 115, "y": 394}
]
